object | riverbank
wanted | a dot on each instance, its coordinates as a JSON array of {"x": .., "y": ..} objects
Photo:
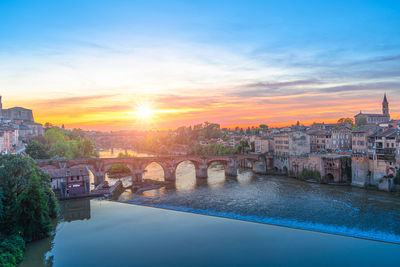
[{"x": 104, "y": 233}]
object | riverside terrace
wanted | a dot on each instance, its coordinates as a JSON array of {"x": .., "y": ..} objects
[{"x": 260, "y": 163}]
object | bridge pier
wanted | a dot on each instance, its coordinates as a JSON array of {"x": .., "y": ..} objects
[
  {"x": 137, "y": 176},
  {"x": 231, "y": 169},
  {"x": 201, "y": 172},
  {"x": 260, "y": 167},
  {"x": 99, "y": 177},
  {"x": 170, "y": 175}
]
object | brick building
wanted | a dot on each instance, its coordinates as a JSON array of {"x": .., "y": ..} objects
[
  {"x": 359, "y": 138},
  {"x": 341, "y": 139},
  {"x": 69, "y": 182}
]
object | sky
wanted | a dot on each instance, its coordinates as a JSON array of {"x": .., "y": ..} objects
[{"x": 113, "y": 65}]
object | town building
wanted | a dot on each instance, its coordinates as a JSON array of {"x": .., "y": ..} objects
[
  {"x": 292, "y": 144},
  {"x": 69, "y": 182},
  {"x": 9, "y": 138},
  {"x": 365, "y": 118},
  {"x": 382, "y": 144},
  {"x": 341, "y": 139},
  {"x": 17, "y": 126},
  {"x": 263, "y": 144},
  {"x": 359, "y": 138},
  {"x": 15, "y": 113},
  {"x": 320, "y": 141}
]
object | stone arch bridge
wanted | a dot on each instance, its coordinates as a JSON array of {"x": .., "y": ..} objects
[{"x": 260, "y": 163}]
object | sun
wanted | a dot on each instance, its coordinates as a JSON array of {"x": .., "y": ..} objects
[{"x": 144, "y": 112}]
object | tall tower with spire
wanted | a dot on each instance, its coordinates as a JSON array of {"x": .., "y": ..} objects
[{"x": 385, "y": 106}]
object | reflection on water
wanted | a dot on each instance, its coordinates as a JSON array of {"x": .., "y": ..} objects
[
  {"x": 104, "y": 233},
  {"x": 266, "y": 199},
  {"x": 76, "y": 209},
  {"x": 39, "y": 252},
  {"x": 279, "y": 200}
]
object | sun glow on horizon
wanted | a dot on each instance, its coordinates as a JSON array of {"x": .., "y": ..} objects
[{"x": 144, "y": 112}]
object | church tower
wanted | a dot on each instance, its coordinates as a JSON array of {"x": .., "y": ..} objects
[{"x": 385, "y": 106}]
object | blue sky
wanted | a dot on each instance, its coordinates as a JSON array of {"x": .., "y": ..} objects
[{"x": 229, "y": 50}]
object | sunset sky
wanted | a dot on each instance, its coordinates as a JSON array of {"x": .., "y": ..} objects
[{"x": 112, "y": 65}]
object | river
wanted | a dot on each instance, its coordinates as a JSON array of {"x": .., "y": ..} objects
[{"x": 344, "y": 211}]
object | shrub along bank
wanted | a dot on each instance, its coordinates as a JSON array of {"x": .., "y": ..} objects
[{"x": 27, "y": 206}]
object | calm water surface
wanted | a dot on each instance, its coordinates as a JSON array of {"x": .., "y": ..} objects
[
  {"x": 278, "y": 200},
  {"x": 105, "y": 233}
]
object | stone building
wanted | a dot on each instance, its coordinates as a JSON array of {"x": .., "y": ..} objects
[
  {"x": 23, "y": 119},
  {"x": 69, "y": 182},
  {"x": 332, "y": 168},
  {"x": 359, "y": 138},
  {"x": 320, "y": 141},
  {"x": 365, "y": 118},
  {"x": 15, "y": 113},
  {"x": 281, "y": 144},
  {"x": 264, "y": 144},
  {"x": 378, "y": 166},
  {"x": 382, "y": 144},
  {"x": 341, "y": 139},
  {"x": 9, "y": 139},
  {"x": 290, "y": 144}
]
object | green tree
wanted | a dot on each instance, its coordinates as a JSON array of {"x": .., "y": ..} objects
[
  {"x": 36, "y": 150},
  {"x": 243, "y": 144},
  {"x": 89, "y": 148},
  {"x": 60, "y": 149},
  {"x": 27, "y": 205},
  {"x": 33, "y": 213},
  {"x": 53, "y": 135},
  {"x": 346, "y": 120}
]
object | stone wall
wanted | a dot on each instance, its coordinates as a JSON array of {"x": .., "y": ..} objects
[
  {"x": 310, "y": 162},
  {"x": 360, "y": 170},
  {"x": 379, "y": 168},
  {"x": 299, "y": 144},
  {"x": 281, "y": 164}
]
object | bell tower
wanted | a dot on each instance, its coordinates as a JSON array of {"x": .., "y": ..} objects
[{"x": 385, "y": 106}]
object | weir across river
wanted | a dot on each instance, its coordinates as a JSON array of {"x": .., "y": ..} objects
[{"x": 260, "y": 163}]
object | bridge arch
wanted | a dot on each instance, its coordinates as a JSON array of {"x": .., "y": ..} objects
[
  {"x": 222, "y": 161},
  {"x": 185, "y": 174},
  {"x": 330, "y": 177},
  {"x": 155, "y": 164},
  {"x": 195, "y": 162}
]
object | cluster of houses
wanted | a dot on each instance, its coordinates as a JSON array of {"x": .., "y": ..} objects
[
  {"x": 17, "y": 126},
  {"x": 367, "y": 153}
]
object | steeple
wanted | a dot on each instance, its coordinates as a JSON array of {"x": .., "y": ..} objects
[{"x": 385, "y": 105}]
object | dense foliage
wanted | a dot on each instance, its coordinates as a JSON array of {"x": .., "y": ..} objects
[
  {"x": 60, "y": 143},
  {"x": 26, "y": 208}
]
